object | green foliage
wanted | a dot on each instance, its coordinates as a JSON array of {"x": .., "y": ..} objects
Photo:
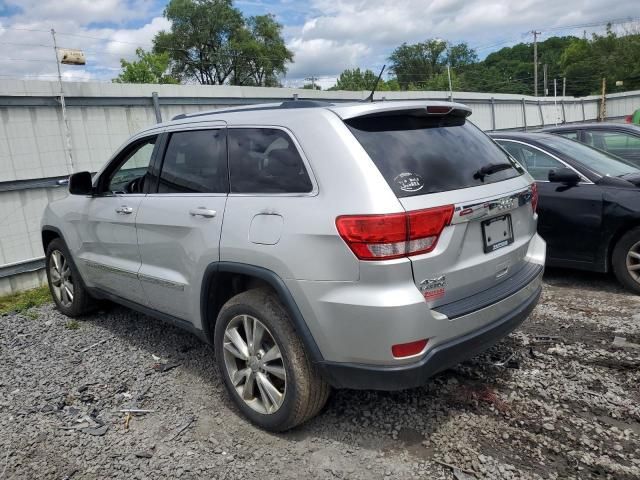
[
  {"x": 357, "y": 80},
  {"x": 149, "y": 68},
  {"x": 310, "y": 86},
  {"x": 211, "y": 42},
  {"x": 583, "y": 61},
  {"x": 415, "y": 65},
  {"x": 22, "y": 301},
  {"x": 72, "y": 325}
]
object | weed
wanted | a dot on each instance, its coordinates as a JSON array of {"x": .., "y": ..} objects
[
  {"x": 72, "y": 325},
  {"x": 22, "y": 301}
]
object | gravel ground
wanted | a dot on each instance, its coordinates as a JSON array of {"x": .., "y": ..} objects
[{"x": 557, "y": 399}]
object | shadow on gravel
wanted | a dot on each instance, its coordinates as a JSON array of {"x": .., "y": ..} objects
[{"x": 592, "y": 281}]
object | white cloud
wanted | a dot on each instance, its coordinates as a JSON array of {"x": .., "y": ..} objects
[
  {"x": 26, "y": 47},
  {"x": 336, "y": 34},
  {"x": 377, "y": 27}
]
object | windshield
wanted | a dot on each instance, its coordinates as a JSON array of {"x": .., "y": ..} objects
[
  {"x": 602, "y": 163},
  {"x": 419, "y": 155}
]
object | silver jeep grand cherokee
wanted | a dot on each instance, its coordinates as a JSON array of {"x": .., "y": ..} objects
[{"x": 316, "y": 245}]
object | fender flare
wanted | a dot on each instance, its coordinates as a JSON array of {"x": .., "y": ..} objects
[{"x": 277, "y": 284}]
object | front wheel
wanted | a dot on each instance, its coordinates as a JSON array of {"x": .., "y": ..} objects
[
  {"x": 263, "y": 362},
  {"x": 626, "y": 260},
  {"x": 66, "y": 287}
]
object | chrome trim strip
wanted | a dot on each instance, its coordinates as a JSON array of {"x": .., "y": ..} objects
[
  {"x": 161, "y": 282},
  {"x": 493, "y": 206},
  {"x": 139, "y": 276},
  {"x": 110, "y": 269}
]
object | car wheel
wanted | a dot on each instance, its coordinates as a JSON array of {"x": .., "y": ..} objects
[
  {"x": 626, "y": 260},
  {"x": 66, "y": 287},
  {"x": 263, "y": 362}
]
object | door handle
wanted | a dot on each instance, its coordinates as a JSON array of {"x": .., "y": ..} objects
[
  {"x": 124, "y": 210},
  {"x": 202, "y": 212}
]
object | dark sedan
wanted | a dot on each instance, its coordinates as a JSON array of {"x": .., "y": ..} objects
[
  {"x": 589, "y": 204},
  {"x": 620, "y": 139}
]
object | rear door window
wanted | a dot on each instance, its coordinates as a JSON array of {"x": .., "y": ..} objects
[
  {"x": 419, "y": 155},
  {"x": 195, "y": 161},
  {"x": 265, "y": 160}
]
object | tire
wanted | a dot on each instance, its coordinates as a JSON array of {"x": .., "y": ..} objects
[
  {"x": 626, "y": 255},
  {"x": 74, "y": 300},
  {"x": 303, "y": 391}
]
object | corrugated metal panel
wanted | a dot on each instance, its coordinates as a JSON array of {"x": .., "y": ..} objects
[{"x": 102, "y": 116}]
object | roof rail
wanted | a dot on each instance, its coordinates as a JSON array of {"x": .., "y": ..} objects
[{"x": 284, "y": 105}]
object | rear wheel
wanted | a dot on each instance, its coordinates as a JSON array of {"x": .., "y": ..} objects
[
  {"x": 263, "y": 362},
  {"x": 626, "y": 260},
  {"x": 65, "y": 285}
]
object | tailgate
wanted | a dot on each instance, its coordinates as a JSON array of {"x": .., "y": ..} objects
[{"x": 485, "y": 244}]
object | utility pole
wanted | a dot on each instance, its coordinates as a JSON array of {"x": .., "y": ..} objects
[
  {"x": 603, "y": 102},
  {"x": 564, "y": 86},
  {"x": 535, "y": 61},
  {"x": 312, "y": 79},
  {"x": 545, "y": 85},
  {"x": 67, "y": 130}
]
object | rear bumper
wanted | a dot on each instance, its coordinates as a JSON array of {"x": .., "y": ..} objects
[{"x": 437, "y": 359}]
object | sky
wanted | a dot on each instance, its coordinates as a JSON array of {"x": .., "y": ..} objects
[{"x": 326, "y": 36}]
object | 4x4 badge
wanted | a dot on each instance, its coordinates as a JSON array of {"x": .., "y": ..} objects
[{"x": 433, "y": 288}]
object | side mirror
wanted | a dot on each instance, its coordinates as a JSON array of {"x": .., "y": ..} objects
[
  {"x": 564, "y": 175},
  {"x": 80, "y": 184}
]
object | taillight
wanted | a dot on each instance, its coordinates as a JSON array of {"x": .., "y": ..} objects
[
  {"x": 534, "y": 196},
  {"x": 628, "y": 119},
  {"x": 396, "y": 235}
]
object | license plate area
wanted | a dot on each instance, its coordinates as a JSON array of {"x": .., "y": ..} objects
[{"x": 497, "y": 233}]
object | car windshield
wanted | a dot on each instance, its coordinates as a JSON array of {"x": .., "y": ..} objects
[{"x": 602, "y": 163}]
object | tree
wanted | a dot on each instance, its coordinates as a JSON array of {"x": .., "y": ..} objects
[
  {"x": 310, "y": 86},
  {"x": 212, "y": 43},
  {"x": 415, "y": 65},
  {"x": 149, "y": 68},
  {"x": 358, "y": 80}
]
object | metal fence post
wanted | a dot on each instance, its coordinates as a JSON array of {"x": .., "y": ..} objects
[
  {"x": 524, "y": 114},
  {"x": 564, "y": 113},
  {"x": 156, "y": 107},
  {"x": 493, "y": 113},
  {"x": 541, "y": 113},
  {"x": 584, "y": 117}
]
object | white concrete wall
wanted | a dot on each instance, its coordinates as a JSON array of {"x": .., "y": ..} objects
[{"x": 32, "y": 142}]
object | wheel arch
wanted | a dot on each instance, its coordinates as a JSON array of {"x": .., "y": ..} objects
[
  {"x": 49, "y": 233},
  {"x": 220, "y": 283},
  {"x": 615, "y": 238}
]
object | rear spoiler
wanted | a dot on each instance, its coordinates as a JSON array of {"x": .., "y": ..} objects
[{"x": 411, "y": 108}]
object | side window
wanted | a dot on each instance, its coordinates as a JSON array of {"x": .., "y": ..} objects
[
  {"x": 572, "y": 135},
  {"x": 195, "y": 162},
  {"x": 265, "y": 160},
  {"x": 131, "y": 175},
  {"x": 537, "y": 163},
  {"x": 612, "y": 141}
]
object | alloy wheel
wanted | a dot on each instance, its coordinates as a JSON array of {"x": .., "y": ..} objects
[
  {"x": 633, "y": 261},
  {"x": 254, "y": 364},
  {"x": 60, "y": 277}
]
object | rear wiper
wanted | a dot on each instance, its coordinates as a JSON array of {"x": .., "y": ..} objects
[{"x": 489, "y": 169}]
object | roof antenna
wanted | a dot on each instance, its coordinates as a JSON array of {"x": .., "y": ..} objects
[{"x": 375, "y": 85}]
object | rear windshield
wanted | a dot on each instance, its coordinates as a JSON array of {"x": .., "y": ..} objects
[{"x": 418, "y": 155}]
